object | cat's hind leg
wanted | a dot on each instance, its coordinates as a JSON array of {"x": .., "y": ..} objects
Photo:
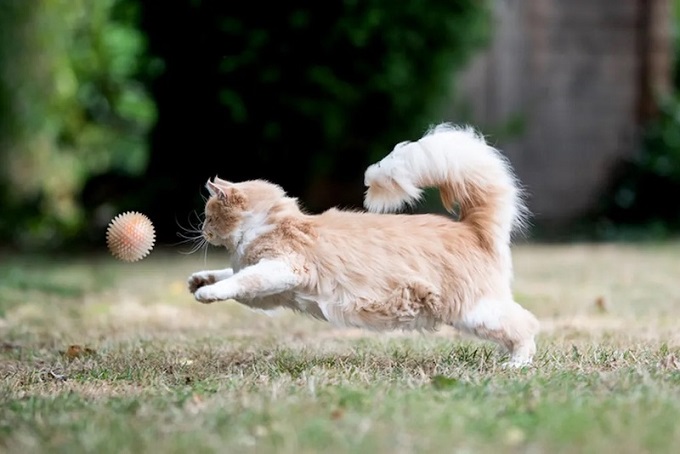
[
  {"x": 202, "y": 278},
  {"x": 506, "y": 323}
]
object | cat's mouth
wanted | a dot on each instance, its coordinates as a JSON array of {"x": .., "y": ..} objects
[
  {"x": 215, "y": 240},
  {"x": 209, "y": 237}
]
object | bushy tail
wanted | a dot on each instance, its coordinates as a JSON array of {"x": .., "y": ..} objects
[{"x": 471, "y": 176}]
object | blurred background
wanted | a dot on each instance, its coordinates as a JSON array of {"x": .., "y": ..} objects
[{"x": 115, "y": 105}]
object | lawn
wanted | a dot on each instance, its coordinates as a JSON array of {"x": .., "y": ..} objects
[{"x": 102, "y": 356}]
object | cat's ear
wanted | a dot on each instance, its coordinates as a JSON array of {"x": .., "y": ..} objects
[
  {"x": 220, "y": 181},
  {"x": 216, "y": 191}
]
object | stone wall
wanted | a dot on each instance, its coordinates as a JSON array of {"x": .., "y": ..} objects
[{"x": 581, "y": 75}]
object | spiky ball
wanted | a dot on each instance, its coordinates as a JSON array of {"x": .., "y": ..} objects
[{"x": 130, "y": 236}]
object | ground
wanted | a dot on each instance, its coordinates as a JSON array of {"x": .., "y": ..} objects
[{"x": 103, "y": 356}]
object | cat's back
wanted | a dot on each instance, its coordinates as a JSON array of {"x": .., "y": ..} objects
[
  {"x": 353, "y": 246},
  {"x": 359, "y": 227}
]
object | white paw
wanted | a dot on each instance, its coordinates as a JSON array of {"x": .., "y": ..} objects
[
  {"x": 200, "y": 279},
  {"x": 517, "y": 363},
  {"x": 206, "y": 295}
]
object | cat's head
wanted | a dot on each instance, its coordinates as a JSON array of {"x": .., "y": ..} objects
[{"x": 234, "y": 209}]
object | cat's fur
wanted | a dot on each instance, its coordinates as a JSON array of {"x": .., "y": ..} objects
[{"x": 382, "y": 271}]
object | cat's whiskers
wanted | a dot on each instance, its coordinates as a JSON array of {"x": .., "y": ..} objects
[
  {"x": 205, "y": 252},
  {"x": 193, "y": 235}
]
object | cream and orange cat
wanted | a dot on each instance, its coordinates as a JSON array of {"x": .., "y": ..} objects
[{"x": 376, "y": 270}]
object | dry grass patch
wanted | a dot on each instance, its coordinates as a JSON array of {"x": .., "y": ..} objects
[{"x": 150, "y": 370}]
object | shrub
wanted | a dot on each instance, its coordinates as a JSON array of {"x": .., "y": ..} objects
[
  {"x": 70, "y": 105},
  {"x": 304, "y": 93}
]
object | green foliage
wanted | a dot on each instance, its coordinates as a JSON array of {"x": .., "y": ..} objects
[
  {"x": 71, "y": 104},
  {"x": 326, "y": 86},
  {"x": 368, "y": 63},
  {"x": 640, "y": 202},
  {"x": 307, "y": 94}
]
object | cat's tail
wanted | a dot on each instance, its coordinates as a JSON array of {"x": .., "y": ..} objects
[{"x": 473, "y": 179}]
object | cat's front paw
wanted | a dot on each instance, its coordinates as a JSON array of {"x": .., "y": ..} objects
[
  {"x": 200, "y": 279},
  {"x": 206, "y": 295}
]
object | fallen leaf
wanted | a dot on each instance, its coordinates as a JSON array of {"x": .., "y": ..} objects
[
  {"x": 46, "y": 375},
  {"x": 601, "y": 304},
  {"x": 56, "y": 376},
  {"x": 78, "y": 351},
  {"x": 8, "y": 346},
  {"x": 185, "y": 362}
]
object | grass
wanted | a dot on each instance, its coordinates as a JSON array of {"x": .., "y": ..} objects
[{"x": 102, "y": 356}]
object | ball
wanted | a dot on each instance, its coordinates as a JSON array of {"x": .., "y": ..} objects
[{"x": 130, "y": 236}]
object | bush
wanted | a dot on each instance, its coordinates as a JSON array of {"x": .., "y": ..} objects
[
  {"x": 305, "y": 94},
  {"x": 70, "y": 105},
  {"x": 642, "y": 195}
]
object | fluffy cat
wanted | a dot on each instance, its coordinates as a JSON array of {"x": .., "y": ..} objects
[{"x": 378, "y": 270}]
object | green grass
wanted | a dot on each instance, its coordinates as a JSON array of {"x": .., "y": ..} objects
[{"x": 166, "y": 374}]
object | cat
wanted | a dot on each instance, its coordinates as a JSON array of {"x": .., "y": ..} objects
[{"x": 376, "y": 269}]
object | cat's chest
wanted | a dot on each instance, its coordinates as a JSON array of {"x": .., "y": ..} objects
[{"x": 236, "y": 263}]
